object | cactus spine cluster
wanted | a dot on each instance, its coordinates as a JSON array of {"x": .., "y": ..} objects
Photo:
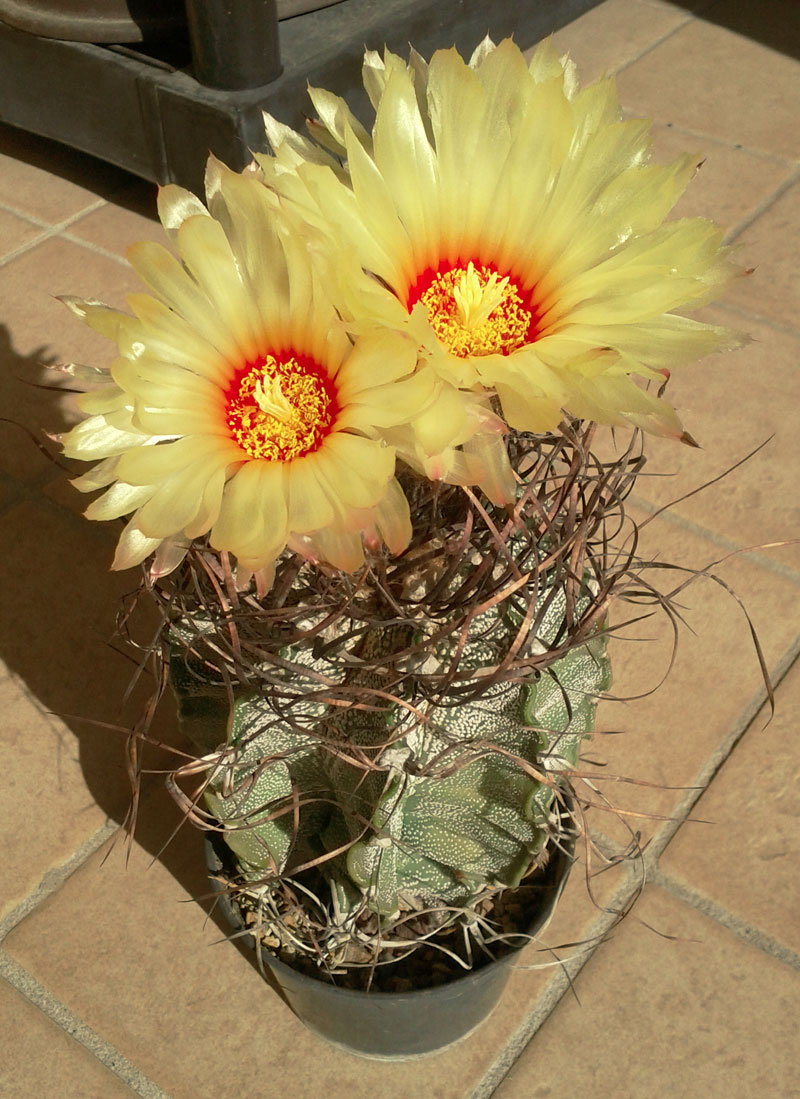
[{"x": 406, "y": 804}]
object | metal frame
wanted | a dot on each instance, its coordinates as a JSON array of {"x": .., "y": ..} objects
[{"x": 160, "y": 122}]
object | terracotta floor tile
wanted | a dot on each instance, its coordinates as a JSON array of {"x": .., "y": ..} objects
[
  {"x": 610, "y": 35},
  {"x": 659, "y": 1018},
  {"x": 169, "y": 961},
  {"x": 55, "y": 811},
  {"x": 49, "y": 180},
  {"x": 770, "y": 246},
  {"x": 730, "y": 185},
  {"x": 8, "y": 490},
  {"x": 116, "y": 228},
  {"x": 713, "y": 81},
  {"x": 41, "y": 1059},
  {"x": 703, "y": 1015},
  {"x": 60, "y": 491},
  {"x": 31, "y": 283},
  {"x": 36, "y": 329},
  {"x": 748, "y": 859},
  {"x": 16, "y": 232},
  {"x": 68, "y": 772},
  {"x": 669, "y": 737},
  {"x": 732, "y": 403}
]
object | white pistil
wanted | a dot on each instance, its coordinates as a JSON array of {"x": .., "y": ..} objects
[
  {"x": 270, "y": 399},
  {"x": 475, "y": 301}
]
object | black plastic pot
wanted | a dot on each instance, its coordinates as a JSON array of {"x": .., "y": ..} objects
[{"x": 396, "y": 1025}]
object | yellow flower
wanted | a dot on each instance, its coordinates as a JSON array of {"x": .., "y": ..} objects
[
  {"x": 238, "y": 405},
  {"x": 513, "y": 224}
]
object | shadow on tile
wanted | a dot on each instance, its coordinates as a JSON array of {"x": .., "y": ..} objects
[
  {"x": 773, "y": 23},
  {"x": 97, "y": 177},
  {"x": 22, "y": 453},
  {"x": 58, "y": 626}
]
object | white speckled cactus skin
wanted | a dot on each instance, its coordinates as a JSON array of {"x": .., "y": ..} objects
[{"x": 456, "y": 798}]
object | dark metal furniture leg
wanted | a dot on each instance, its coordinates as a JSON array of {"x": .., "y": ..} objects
[{"x": 234, "y": 43}]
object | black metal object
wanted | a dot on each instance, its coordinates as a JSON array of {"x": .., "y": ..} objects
[
  {"x": 234, "y": 43},
  {"x": 96, "y": 20},
  {"x": 152, "y": 114}
]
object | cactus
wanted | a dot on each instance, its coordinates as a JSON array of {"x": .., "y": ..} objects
[{"x": 452, "y": 803}]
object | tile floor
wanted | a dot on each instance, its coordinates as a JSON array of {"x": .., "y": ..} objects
[{"x": 114, "y": 982}]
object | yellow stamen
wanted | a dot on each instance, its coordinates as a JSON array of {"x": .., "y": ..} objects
[
  {"x": 281, "y": 409},
  {"x": 475, "y": 312}
]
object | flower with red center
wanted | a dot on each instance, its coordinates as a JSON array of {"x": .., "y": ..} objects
[
  {"x": 474, "y": 311},
  {"x": 238, "y": 407},
  {"x": 513, "y": 223}
]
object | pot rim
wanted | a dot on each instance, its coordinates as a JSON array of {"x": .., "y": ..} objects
[{"x": 556, "y": 871}]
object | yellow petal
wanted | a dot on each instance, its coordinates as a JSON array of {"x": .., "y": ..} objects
[
  {"x": 175, "y": 205},
  {"x": 168, "y": 556},
  {"x": 336, "y": 117},
  {"x": 356, "y": 470},
  {"x": 189, "y": 498},
  {"x": 252, "y": 521},
  {"x": 394, "y": 519},
  {"x": 133, "y": 547},
  {"x": 207, "y": 254},
  {"x": 407, "y": 162},
  {"x": 146, "y": 465},
  {"x": 121, "y": 499},
  {"x": 165, "y": 276},
  {"x": 98, "y": 316},
  {"x": 490, "y": 468},
  {"x": 96, "y": 438},
  {"x": 166, "y": 337},
  {"x": 340, "y": 547},
  {"x": 309, "y": 505},
  {"x": 98, "y": 476}
]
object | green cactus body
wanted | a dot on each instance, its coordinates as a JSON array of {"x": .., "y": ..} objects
[
  {"x": 446, "y": 805},
  {"x": 253, "y": 785},
  {"x": 442, "y": 838},
  {"x": 263, "y": 767}
]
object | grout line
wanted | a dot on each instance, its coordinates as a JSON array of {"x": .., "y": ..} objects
[
  {"x": 109, "y": 1056},
  {"x": 32, "y": 219},
  {"x": 599, "y": 931},
  {"x": 55, "y": 878},
  {"x": 663, "y": 835},
  {"x": 764, "y": 205},
  {"x": 58, "y": 230},
  {"x": 27, "y": 247},
  {"x": 790, "y": 163},
  {"x": 555, "y": 990},
  {"x": 690, "y": 133},
  {"x": 561, "y": 984},
  {"x": 97, "y": 248},
  {"x": 746, "y": 553},
  {"x": 752, "y": 317},
  {"x": 56, "y": 226},
  {"x": 50, "y": 230},
  {"x": 553, "y": 993},
  {"x": 690, "y": 18},
  {"x": 653, "y": 875},
  {"x": 709, "y": 907}
]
